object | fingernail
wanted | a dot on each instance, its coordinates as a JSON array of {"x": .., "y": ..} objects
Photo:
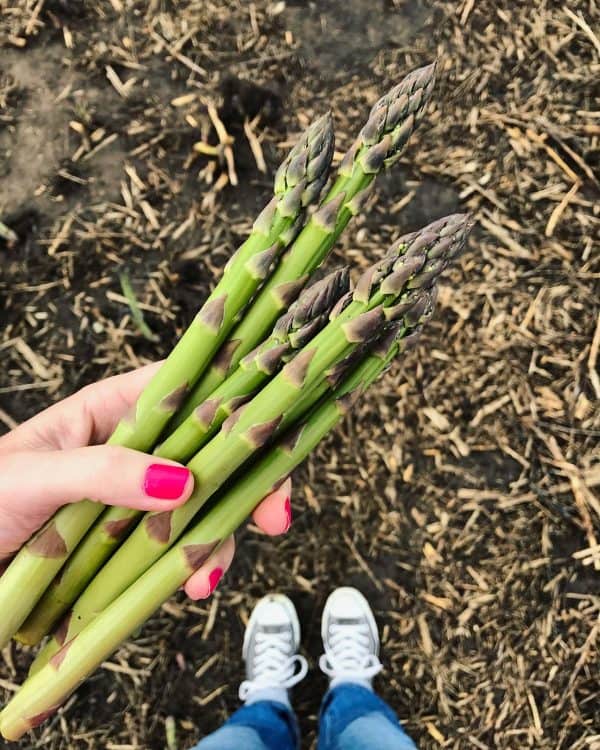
[
  {"x": 288, "y": 514},
  {"x": 213, "y": 579},
  {"x": 165, "y": 481}
]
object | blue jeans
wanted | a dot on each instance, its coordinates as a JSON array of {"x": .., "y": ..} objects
[{"x": 352, "y": 718}]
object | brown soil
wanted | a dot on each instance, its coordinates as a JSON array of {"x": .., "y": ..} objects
[{"x": 460, "y": 495}]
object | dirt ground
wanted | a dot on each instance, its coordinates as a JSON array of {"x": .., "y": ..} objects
[{"x": 462, "y": 495}]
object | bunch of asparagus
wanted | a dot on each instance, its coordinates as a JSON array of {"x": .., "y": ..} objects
[{"x": 265, "y": 370}]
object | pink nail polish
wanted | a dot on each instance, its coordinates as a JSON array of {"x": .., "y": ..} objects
[
  {"x": 165, "y": 481},
  {"x": 213, "y": 579},
  {"x": 288, "y": 514}
]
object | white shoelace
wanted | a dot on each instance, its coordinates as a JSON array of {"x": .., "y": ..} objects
[
  {"x": 348, "y": 654},
  {"x": 273, "y": 667}
]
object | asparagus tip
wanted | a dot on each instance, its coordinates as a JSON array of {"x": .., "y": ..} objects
[
  {"x": 323, "y": 123},
  {"x": 394, "y": 117},
  {"x": 314, "y": 304}
]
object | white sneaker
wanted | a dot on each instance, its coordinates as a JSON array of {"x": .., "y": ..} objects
[
  {"x": 350, "y": 639},
  {"x": 271, "y": 643}
]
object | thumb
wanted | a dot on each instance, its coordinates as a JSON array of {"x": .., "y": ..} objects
[{"x": 35, "y": 482}]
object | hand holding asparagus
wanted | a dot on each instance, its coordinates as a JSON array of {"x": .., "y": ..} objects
[{"x": 242, "y": 399}]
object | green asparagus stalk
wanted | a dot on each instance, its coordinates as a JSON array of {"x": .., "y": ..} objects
[
  {"x": 45, "y": 691},
  {"x": 298, "y": 183},
  {"x": 293, "y": 330},
  {"x": 25, "y": 579},
  {"x": 380, "y": 143},
  {"x": 396, "y": 288}
]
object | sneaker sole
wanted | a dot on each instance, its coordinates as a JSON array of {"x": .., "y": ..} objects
[{"x": 288, "y": 605}]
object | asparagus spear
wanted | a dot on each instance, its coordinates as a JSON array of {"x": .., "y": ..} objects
[
  {"x": 379, "y": 144},
  {"x": 298, "y": 182},
  {"x": 396, "y": 288},
  {"x": 293, "y": 330},
  {"x": 45, "y": 691}
]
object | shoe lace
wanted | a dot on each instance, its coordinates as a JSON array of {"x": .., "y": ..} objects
[
  {"x": 273, "y": 666},
  {"x": 348, "y": 653}
]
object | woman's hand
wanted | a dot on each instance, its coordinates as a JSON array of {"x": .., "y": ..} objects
[{"x": 58, "y": 457}]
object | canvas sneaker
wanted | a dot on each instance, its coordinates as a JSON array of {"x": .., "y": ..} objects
[
  {"x": 350, "y": 639},
  {"x": 271, "y": 643}
]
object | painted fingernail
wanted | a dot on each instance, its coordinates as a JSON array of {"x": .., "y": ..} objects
[
  {"x": 213, "y": 579},
  {"x": 165, "y": 481},
  {"x": 288, "y": 514}
]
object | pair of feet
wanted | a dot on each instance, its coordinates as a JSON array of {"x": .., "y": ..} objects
[{"x": 272, "y": 640}]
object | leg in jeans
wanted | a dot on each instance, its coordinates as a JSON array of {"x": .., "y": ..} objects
[
  {"x": 264, "y": 725},
  {"x": 354, "y": 718},
  {"x": 273, "y": 666}
]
